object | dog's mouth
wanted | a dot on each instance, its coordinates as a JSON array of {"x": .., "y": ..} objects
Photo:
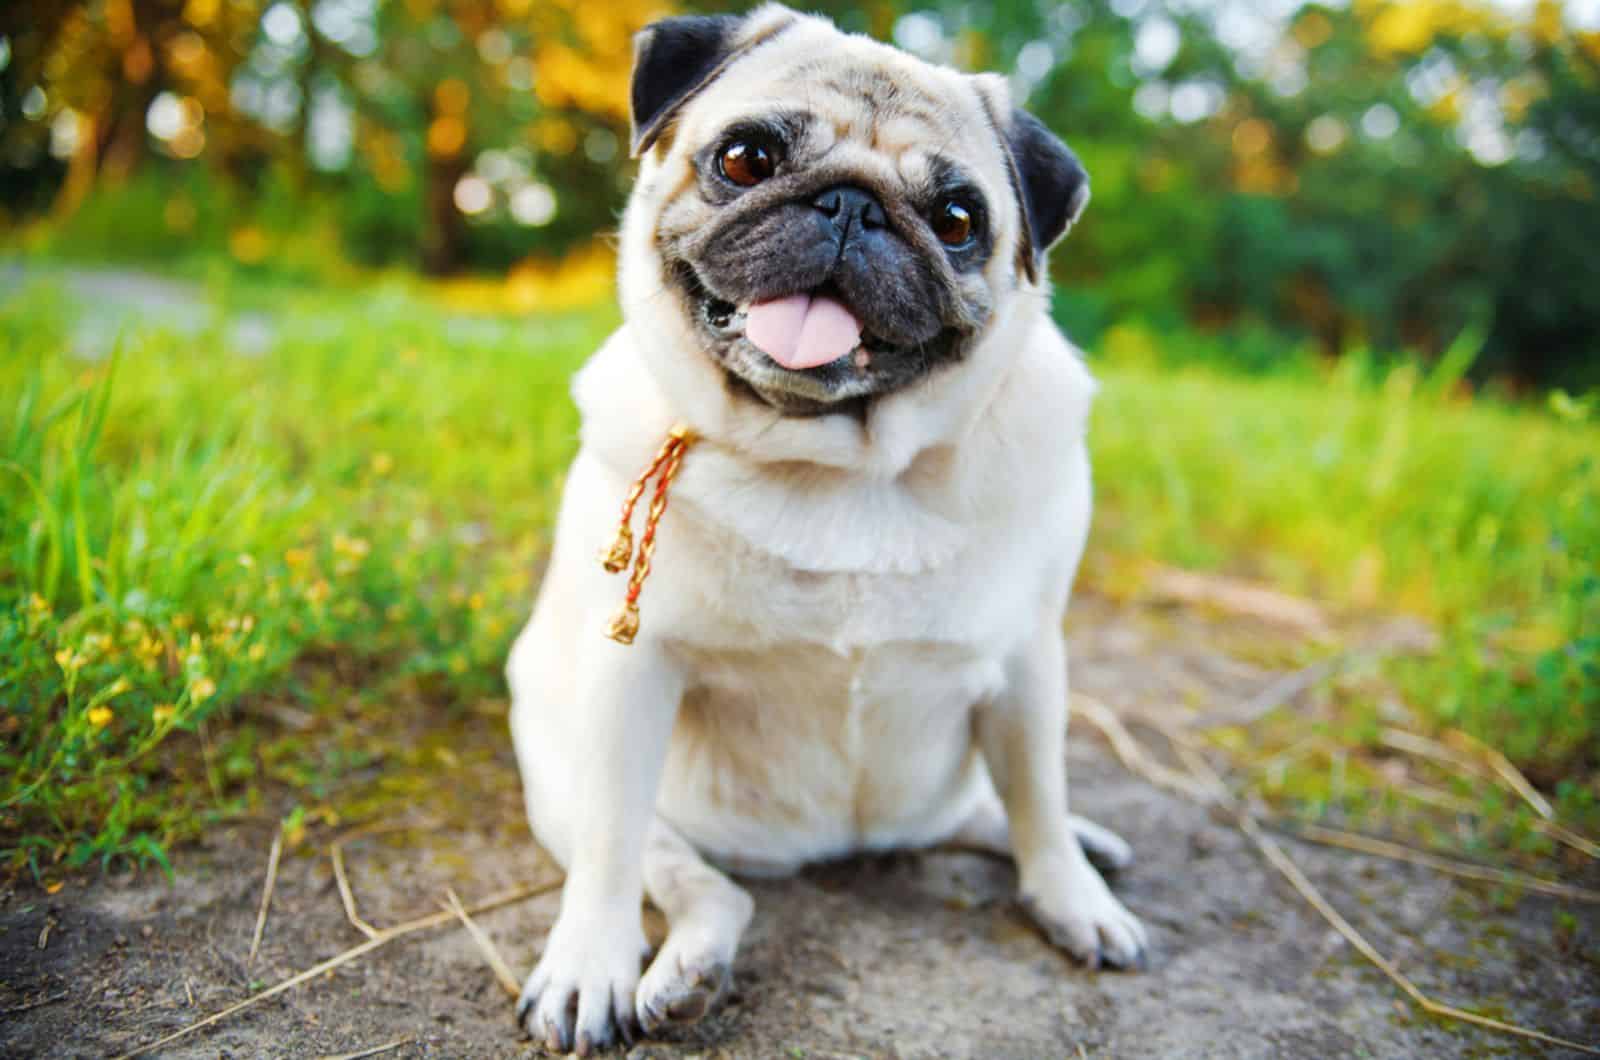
[
  {"x": 799, "y": 332},
  {"x": 808, "y": 352}
]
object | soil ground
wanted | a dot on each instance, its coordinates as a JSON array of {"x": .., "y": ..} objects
[{"x": 912, "y": 955}]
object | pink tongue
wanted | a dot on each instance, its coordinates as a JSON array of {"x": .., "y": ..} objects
[{"x": 801, "y": 331}]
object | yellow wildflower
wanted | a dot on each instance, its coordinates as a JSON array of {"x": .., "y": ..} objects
[
  {"x": 297, "y": 557},
  {"x": 351, "y": 546},
  {"x": 202, "y": 690},
  {"x": 382, "y": 463},
  {"x": 162, "y": 714},
  {"x": 258, "y": 652},
  {"x": 100, "y": 717}
]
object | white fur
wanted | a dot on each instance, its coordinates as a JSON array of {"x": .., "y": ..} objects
[{"x": 851, "y": 641}]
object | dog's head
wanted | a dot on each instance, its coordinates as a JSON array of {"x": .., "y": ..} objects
[{"x": 825, "y": 217}]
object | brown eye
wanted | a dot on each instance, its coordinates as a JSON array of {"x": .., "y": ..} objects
[
  {"x": 952, "y": 223},
  {"x": 746, "y": 163}
]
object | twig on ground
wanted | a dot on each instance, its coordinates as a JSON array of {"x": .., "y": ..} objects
[
  {"x": 266, "y": 894},
  {"x": 1284, "y": 689},
  {"x": 1280, "y": 860},
  {"x": 424, "y": 823},
  {"x": 495, "y": 901},
  {"x": 1203, "y": 783},
  {"x": 1129, "y": 750},
  {"x": 374, "y": 1051},
  {"x": 1383, "y": 848},
  {"x": 346, "y": 895},
  {"x": 491, "y": 955},
  {"x": 1561, "y": 833},
  {"x": 36, "y": 1003},
  {"x": 1478, "y": 758},
  {"x": 1504, "y": 771}
]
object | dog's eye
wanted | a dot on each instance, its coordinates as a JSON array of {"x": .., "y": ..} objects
[
  {"x": 952, "y": 223},
  {"x": 746, "y": 163}
]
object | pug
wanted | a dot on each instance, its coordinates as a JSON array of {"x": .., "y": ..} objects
[{"x": 832, "y": 274}]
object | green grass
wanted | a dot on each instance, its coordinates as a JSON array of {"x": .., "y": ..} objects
[
  {"x": 1376, "y": 491},
  {"x": 191, "y": 533},
  {"x": 184, "y": 528}
]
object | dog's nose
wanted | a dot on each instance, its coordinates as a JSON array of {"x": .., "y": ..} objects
[{"x": 846, "y": 205}]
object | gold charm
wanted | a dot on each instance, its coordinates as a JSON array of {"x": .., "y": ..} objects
[
  {"x": 617, "y": 558},
  {"x": 624, "y": 624},
  {"x": 668, "y": 459}
]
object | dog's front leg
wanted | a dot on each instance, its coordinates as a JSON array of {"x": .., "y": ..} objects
[
  {"x": 581, "y": 995},
  {"x": 1023, "y": 732}
]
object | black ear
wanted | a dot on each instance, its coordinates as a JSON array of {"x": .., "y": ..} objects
[
  {"x": 672, "y": 59},
  {"x": 1052, "y": 184}
]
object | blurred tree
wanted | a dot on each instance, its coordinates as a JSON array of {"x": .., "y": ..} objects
[
  {"x": 94, "y": 72},
  {"x": 1372, "y": 173}
]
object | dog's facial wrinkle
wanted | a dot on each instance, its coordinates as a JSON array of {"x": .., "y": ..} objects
[{"x": 725, "y": 246}]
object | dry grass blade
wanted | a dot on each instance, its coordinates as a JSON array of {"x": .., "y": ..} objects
[
  {"x": 497, "y": 964},
  {"x": 1562, "y": 833},
  {"x": 1131, "y": 753},
  {"x": 37, "y": 1003},
  {"x": 374, "y": 1051},
  {"x": 1383, "y": 848},
  {"x": 1508, "y": 774},
  {"x": 266, "y": 895},
  {"x": 495, "y": 901},
  {"x": 1443, "y": 800},
  {"x": 1280, "y": 860},
  {"x": 1474, "y": 756},
  {"x": 346, "y": 896}
]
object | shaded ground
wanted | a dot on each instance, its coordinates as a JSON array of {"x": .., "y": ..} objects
[{"x": 915, "y": 955}]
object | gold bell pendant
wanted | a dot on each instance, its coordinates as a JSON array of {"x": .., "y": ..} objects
[
  {"x": 624, "y": 625},
  {"x": 620, "y": 554}
]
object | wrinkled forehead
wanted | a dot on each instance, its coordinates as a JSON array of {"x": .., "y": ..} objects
[{"x": 862, "y": 104}]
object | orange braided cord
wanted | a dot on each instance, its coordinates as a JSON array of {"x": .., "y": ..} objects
[{"x": 668, "y": 460}]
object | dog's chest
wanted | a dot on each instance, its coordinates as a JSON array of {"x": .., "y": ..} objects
[{"x": 829, "y": 716}]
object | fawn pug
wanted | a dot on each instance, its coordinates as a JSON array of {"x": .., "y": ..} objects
[{"x": 831, "y": 269}]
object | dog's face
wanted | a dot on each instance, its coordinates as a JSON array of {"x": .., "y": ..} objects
[{"x": 829, "y": 218}]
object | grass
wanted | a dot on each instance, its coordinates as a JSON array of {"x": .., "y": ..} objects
[
  {"x": 188, "y": 527},
  {"x": 1385, "y": 490},
  {"x": 295, "y": 500}
]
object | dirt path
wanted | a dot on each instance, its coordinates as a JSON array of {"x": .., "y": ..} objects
[{"x": 915, "y": 955}]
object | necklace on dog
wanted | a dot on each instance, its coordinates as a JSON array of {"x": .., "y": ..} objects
[{"x": 668, "y": 459}]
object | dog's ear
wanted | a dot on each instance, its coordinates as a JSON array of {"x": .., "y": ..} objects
[
  {"x": 1051, "y": 184},
  {"x": 672, "y": 60}
]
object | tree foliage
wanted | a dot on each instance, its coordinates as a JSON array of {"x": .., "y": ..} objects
[{"x": 1375, "y": 175}]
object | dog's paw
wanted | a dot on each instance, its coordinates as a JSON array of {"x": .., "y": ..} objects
[
  {"x": 1077, "y": 911},
  {"x": 1106, "y": 850},
  {"x": 581, "y": 996},
  {"x": 682, "y": 984}
]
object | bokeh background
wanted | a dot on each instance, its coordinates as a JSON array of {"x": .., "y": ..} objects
[
  {"x": 1383, "y": 174},
  {"x": 292, "y": 289}
]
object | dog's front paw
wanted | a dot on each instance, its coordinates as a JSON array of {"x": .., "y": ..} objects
[
  {"x": 684, "y": 982},
  {"x": 1077, "y": 911},
  {"x": 580, "y": 997}
]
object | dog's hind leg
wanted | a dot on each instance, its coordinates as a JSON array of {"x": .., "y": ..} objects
[
  {"x": 986, "y": 829},
  {"x": 706, "y": 913}
]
